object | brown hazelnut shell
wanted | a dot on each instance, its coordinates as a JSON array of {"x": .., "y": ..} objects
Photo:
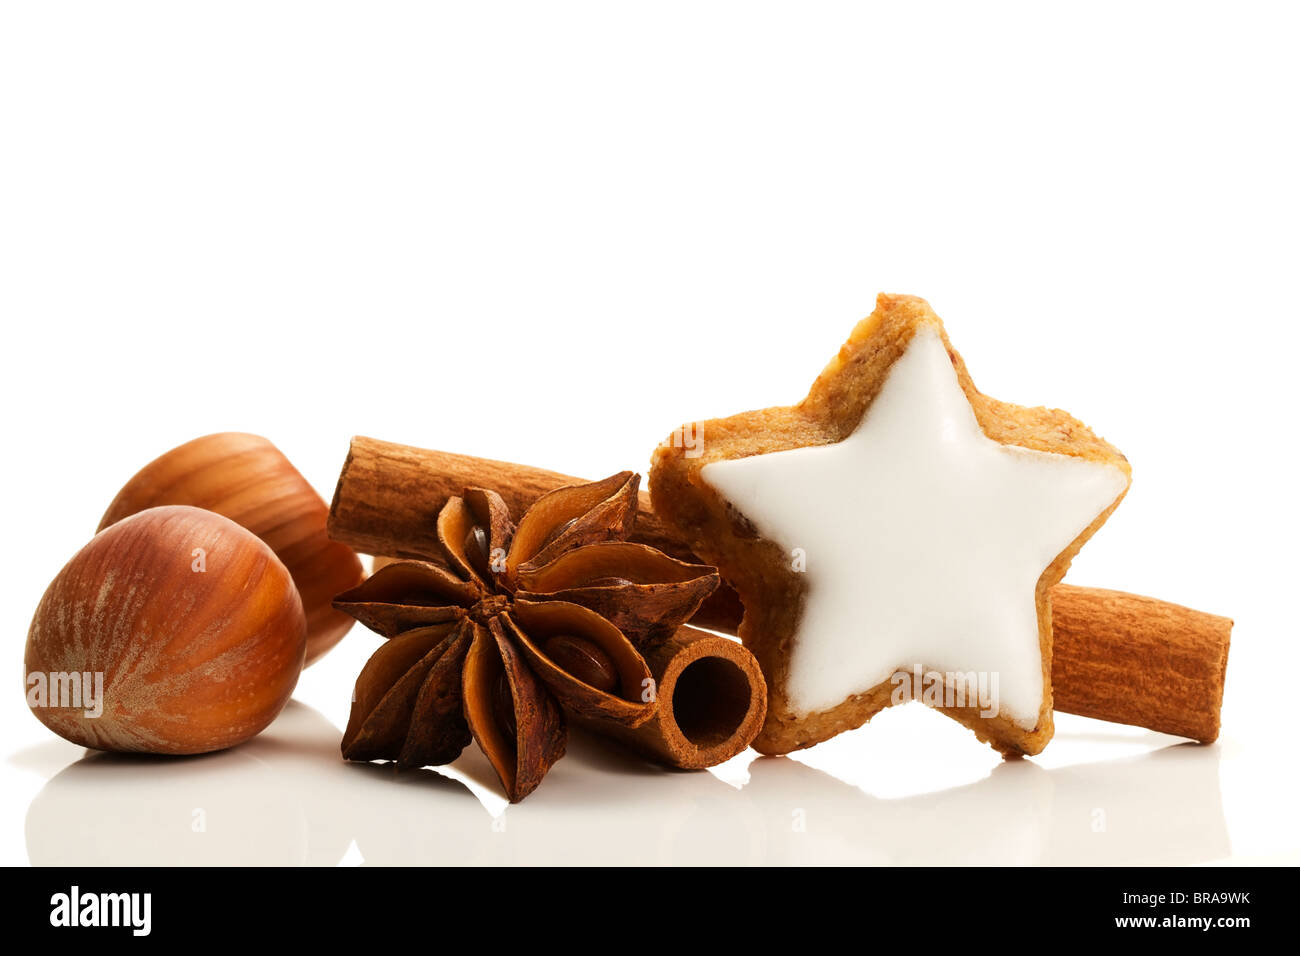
[
  {"x": 193, "y": 622},
  {"x": 250, "y": 481}
]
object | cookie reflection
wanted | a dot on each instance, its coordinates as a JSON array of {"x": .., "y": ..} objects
[{"x": 1161, "y": 808}]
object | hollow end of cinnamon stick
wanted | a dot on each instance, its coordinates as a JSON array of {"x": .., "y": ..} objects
[{"x": 712, "y": 701}]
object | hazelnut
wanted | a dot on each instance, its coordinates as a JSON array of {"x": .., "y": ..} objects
[
  {"x": 251, "y": 482},
  {"x": 174, "y": 631}
]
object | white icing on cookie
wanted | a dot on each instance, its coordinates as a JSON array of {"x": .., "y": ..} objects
[{"x": 924, "y": 539}]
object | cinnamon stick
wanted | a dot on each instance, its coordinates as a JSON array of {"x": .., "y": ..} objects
[
  {"x": 1118, "y": 657},
  {"x": 389, "y": 495},
  {"x": 1135, "y": 660},
  {"x": 712, "y": 701}
]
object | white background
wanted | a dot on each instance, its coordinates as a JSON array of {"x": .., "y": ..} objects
[{"x": 550, "y": 233}]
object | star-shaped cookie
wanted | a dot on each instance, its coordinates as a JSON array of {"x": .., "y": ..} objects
[{"x": 894, "y": 536}]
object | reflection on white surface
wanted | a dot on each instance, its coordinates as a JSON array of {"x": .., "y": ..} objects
[{"x": 287, "y": 798}]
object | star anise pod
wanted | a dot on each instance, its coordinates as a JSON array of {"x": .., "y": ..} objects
[{"x": 505, "y": 628}]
